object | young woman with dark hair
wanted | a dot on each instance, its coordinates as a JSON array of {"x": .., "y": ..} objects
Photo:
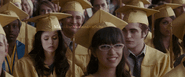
[
  {"x": 101, "y": 50},
  {"x": 48, "y": 56},
  {"x": 104, "y": 39},
  {"x": 161, "y": 40}
]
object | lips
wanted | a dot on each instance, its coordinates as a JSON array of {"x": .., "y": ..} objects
[
  {"x": 51, "y": 47},
  {"x": 112, "y": 59},
  {"x": 129, "y": 41}
]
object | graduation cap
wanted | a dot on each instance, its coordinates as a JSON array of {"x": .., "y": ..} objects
[
  {"x": 139, "y": 3},
  {"x": 99, "y": 20},
  {"x": 134, "y": 14},
  {"x": 13, "y": 1},
  {"x": 166, "y": 10},
  {"x": 4, "y": 20},
  {"x": 48, "y": 22},
  {"x": 178, "y": 1},
  {"x": 74, "y": 5},
  {"x": 178, "y": 28},
  {"x": 12, "y": 10}
]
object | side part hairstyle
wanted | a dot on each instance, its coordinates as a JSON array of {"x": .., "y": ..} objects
[
  {"x": 108, "y": 35},
  {"x": 157, "y": 40},
  {"x": 60, "y": 64}
]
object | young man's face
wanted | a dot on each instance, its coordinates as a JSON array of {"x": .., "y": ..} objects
[
  {"x": 133, "y": 36},
  {"x": 178, "y": 11},
  {"x": 12, "y": 30},
  {"x": 100, "y": 4}
]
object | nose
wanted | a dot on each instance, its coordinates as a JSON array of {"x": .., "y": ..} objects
[
  {"x": 74, "y": 21},
  {"x": 111, "y": 51},
  {"x": 50, "y": 41},
  {"x": 127, "y": 34},
  {"x": 10, "y": 28}
]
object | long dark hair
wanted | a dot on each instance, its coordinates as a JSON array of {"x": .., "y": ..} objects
[
  {"x": 157, "y": 40},
  {"x": 109, "y": 35},
  {"x": 60, "y": 63}
]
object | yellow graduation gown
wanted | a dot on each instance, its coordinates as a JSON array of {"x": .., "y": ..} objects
[
  {"x": 148, "y": 40},
  {"x": 10, "y": 61},
  {"x": 31, "y": 33},
  {"x": 178, "y": 71},
  {"x": 155, "y": 63},
  {"x": 24, "y": 67},
  {"x": 89, "y": 76},
  {"x": 82, "y": 57}
]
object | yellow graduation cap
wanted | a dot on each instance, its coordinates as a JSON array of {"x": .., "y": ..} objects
[
  {"x": 74, "y": 5},
  {"x": 13, "y": 1},
  {"x": 4, "y": 20},
  {"x": 12, "y": 10},
  {"x": 48, "y": 22},
  {"x": 134, "y": 14},
  {"x": 178, "y": 1},
  {"x": 99, "y": 20},
  {"x": 139, "y": 3},
  {"x": 178, "y": 26},
  {"x": 166, "y": 10}
]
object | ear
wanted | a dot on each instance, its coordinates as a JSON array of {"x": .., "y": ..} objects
[{"x": 145, "y": 33}]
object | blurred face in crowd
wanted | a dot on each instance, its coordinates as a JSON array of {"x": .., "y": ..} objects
[
  {"x": 133, "y": 36},
  {"x": 44, "y": 9},
  {"x": 27, "y": 6},
  {"x": 70, "y": 25},
  {"x": 18, "y": 5},
  {"x": 163, "y": 24},
  {"x": 100, "y": 4},
  {"x": 12, "y": 30},
  {"x": 178, "y": 11},
  {"x": 49, "y": 41},
  {"x": 3, "y": 48}
]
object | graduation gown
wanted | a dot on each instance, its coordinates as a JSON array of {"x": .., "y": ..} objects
[
  {"x": 18, "y": 53},
  {"x": 155, "y": 63},
  {"x": 25, "y": 68},
  {"x": 8, "y": 75},
  {"x": 148, "y": 40},
  {"x": 178, "y": 71},
  {"x": 82, "y": 57}
]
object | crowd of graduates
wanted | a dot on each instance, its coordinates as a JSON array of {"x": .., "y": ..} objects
[{"x": 92, "y": 38}]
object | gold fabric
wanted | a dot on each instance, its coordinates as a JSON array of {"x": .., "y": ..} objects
[
  {"x": 9, "y": 62},
  {"x": 178, "y": 71},
  {"x": 148, "y": 40},
  {"x": 82, "y": 57},
  {"x": 31, "y": 33},
  {"x": 155, "y": 63},
  {"x": 24, "y": 67}
]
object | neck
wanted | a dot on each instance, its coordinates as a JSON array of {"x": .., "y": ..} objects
[
  {"x": 11, "y": 47},
  {"x": 166, "y": 42},
  {"x": 49, "y": 58},
  {"x": 105, "y": 72},
  {"x": 68, "y": 35},
  {"x": 137, "y": 50}
]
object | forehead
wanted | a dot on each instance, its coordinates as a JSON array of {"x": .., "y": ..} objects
[
  {"x": 74, "y": 13},
  {"x": 15, "y": 22},
  {"x": 49, "y": 33},
  {"x": 99, "y": 2},
  {"x": 133, "y": 26}
]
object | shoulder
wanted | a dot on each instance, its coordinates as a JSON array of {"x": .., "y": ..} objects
[
  {"x": 26, "y": 61},
  {"x": 176, "y": 72}
]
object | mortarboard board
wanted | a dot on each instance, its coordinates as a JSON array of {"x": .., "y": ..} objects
[
  {"x": 48, "y": 22},
  {"x": 99, "y": 20},
  {"x": 178, "y": 1},
  {"x": 134, "y": 14},
  {"x": 12, "y": 10},
  {"x": 166, "y": 10},
  {"x": 74, "y": 5}
]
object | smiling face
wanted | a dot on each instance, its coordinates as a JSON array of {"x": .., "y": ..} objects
[
  {"x": 73, "y": 23},
  {"x": 110, "y": 58},
  {"x": 45, "y": 9},
  {"x": 164, "y": 22},
  {"x": 49, "y": 41}
]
